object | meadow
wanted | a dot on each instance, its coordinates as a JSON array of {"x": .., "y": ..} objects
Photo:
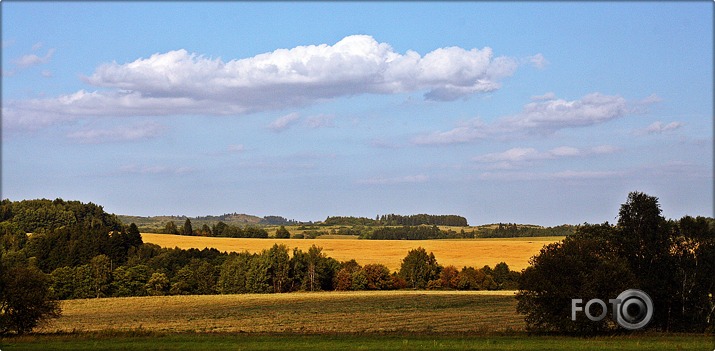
[{"x": 516, "y": 252}]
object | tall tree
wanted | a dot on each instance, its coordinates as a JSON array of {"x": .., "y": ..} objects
[
  {"x": 134, "y": 236},
  {"x": 187, "y": 228},
  {"x": 418, "y": 268}
]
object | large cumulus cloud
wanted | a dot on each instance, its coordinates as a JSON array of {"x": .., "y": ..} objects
[{"x": 180, "y": 82}]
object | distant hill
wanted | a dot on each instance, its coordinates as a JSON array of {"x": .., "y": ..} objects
[{"x": 154, "y": 223}]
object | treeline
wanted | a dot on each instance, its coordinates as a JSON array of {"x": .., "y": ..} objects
[
  {"x": 397, "y": 220},
  {"x": 219, "y": 229},
  {"x": 413, "y": 233},
  {"x": 512, "y": 230}
]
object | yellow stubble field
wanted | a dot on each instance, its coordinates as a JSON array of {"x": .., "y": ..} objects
[{"x": 462, "y": 252}]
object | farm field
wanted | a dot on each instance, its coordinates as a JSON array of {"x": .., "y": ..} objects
[
  {"x": 318, "y": 312},
  {"x": 516, "y": 252},
  {"x": 381, "y": 320}
]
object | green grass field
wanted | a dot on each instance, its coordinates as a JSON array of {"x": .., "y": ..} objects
[
  {"x": 316, "y": 342},
  {"x": 361, "y": 320}
]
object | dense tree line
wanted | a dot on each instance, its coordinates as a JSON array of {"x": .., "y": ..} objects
[
  {"x": 672, "y": 261},
  {"x": 512, "y": 230},
  {"x": 219, "y": 229},
  {"x": 398, "y": 220},
  {"x": 421, "y": 232}
]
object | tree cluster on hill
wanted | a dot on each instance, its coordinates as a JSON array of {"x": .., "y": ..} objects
[
  {"x": 219, "y": 229},
  {"x": 421, "y": 232},
  {"x": 671, "y": 261},
  {"x": 512, "y": 230},
  {"x": 399, "y": 220}
]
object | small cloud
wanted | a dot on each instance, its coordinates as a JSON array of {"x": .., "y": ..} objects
[
  {"x": 320, "y": 121},
  {"x": 563, "y": 175},
  {"x": 154, "y": 170},
  {"x": 383, "y": 144},
  {"x": 564, "y": 151},
  {"x": 284, "y": 122},
  {"x": 604, "y": 149},
  {"x": 651, "y": 99},
  {"x": 46, "y": 73},
  {"x": 236, "y": 148},
  {"x": 546, "y": 97},
  {"x": 32, "y": 60},
  {"x": 514, "y": 157},
  {"x": 135, "y": 132},
  {"x": 659, "y": 127},
  {"x": 464, "y": 133},
  {"x": 421, "y": 178},
  {"x": 516, "y": 154},
  {"x": 584, "y": 174},
  {"x": 538, "y": 61}
]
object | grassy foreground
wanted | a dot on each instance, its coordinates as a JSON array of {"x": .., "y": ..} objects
[{"x": 99, "y": 341}]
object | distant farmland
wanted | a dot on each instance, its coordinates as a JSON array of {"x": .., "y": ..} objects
[{"x": 463, "y": 252}]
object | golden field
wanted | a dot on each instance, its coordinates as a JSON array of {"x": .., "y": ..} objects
[
  {"x": 516, "y": 252},
  {"x": 302, "y": 312}
]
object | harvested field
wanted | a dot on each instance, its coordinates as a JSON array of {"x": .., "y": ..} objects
[
  {"x": 516, "y": 252},
  {"x": 323, "y": 312}
]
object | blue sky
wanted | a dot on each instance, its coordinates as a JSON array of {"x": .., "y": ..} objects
[{"x": 543, "y": 113}]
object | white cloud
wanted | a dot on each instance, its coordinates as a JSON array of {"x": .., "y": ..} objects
[
  {"x": 544, "y": 115},
  {"x": 553, "y": 114},
  {"x": 123, "y": 133},
  {"x": 538, "y": 61},
  {"x": 464, "y": 133},
  {"x": 563, "y": 175},
  {"x": 179, "y": 82},
  {"x": 33, "y": 60},
  {"x": 546, "y": 97},
  {"x": 512, "y": 155},
  {"x": 659, "y": 127},
  {"x": 284, "y": 122},
  {"x": 518, "y": 156},
  {"x": 420, "y": 178}
]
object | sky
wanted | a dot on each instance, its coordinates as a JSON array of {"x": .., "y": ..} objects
[{"x": 542, "y": 113}]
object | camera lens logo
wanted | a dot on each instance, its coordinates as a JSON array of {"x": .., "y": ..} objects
[
  {"x": 635, "y": 309},
  {"x": 632, "y": 309}
]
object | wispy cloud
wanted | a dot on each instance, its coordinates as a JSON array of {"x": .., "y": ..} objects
[
  {"x": 562, "y": 175},
  {"x": 464, "y": 133},
  {"x": 284, "y": 122},
  {"x": 179, "y": 82},
  {"x": 320, "y": 121},
  {"x": 518, "y": 156},
  {"x": 154, "y": 170},
  {"x": 29, "y": 60},
  {"x": 236, "y": 148},
  {"x": 141, "y": 131},
  {"x": 660, "y": 128},
  {"x": 420, "y": 178}
]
